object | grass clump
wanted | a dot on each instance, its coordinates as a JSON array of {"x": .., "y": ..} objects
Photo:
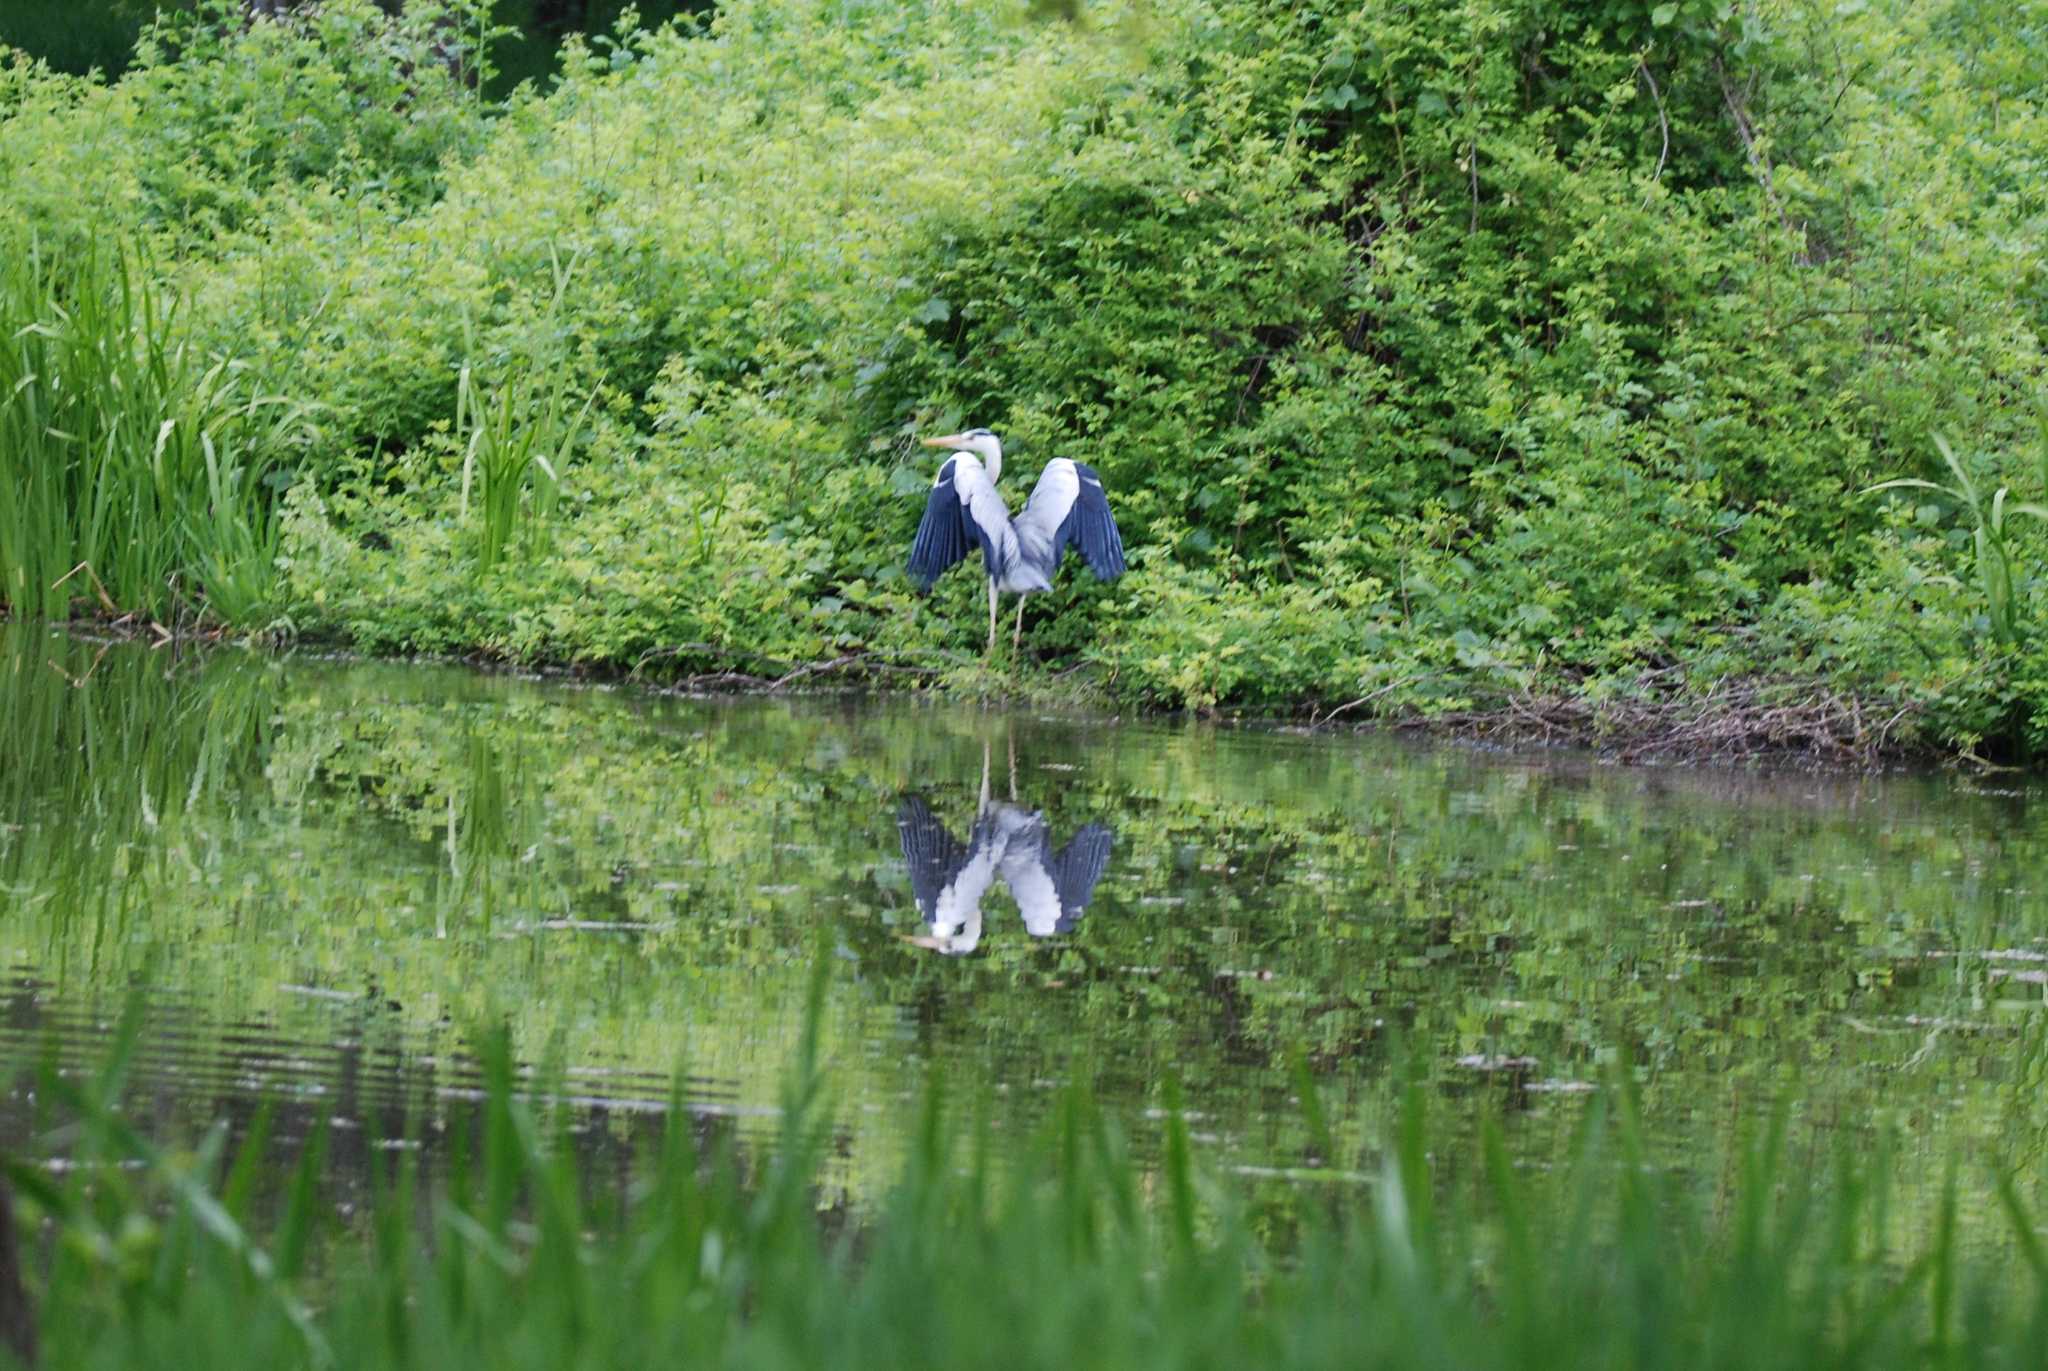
[
  {"x": 130, "y": 463},
  {"x": 1064, "y": 1250},
  {"x": 510, "y": 450}
]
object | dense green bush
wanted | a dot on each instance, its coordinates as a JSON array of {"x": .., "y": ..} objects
[
  {"x": 77, "y": 38},
  {"x": 103, "y": 34},
  {"x": 222, "y": 117},
  {"x": 339, "y": 91},
  {"x": 1430, "y": 353}
]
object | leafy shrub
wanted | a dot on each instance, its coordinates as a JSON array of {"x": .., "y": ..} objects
[
  {"x": 233, "y": 105},
  {"x": 1482, "y": 346}
]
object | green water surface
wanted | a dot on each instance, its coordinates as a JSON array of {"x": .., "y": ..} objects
[{"x": 323, "y": 878}]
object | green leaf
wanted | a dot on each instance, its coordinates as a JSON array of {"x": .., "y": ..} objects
[{"x": 1948, "y": 455}]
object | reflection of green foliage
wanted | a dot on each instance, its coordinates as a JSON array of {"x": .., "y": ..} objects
[{"x": 637, "y": 880}]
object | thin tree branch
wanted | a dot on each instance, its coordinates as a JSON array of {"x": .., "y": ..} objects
[
  {"x": 1315, "y": 720},
  {"x": 1663, "y": 123},
  {"x": 1472, "y": 164},
  {"x": 1758, "y": 162}
]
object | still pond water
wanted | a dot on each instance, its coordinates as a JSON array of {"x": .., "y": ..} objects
[{"x": 323, "y": 878}]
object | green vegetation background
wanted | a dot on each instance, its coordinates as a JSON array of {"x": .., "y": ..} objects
[
  {"x": 82, "y": 36},
  {"x": 1434, "y": 354}
]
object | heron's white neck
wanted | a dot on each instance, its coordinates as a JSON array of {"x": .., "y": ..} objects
[{"x": 991, "y": 453}]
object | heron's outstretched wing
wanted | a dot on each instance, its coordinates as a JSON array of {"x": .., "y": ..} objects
[
  {"x": 1092, "y": 528},
  {"x": 947, "y": 880},
  {"x": 933, "y": 855},
  {"x": 1027, "y": 867},
  {"x": 1052, "y": 889},
  {"x": 1075, "y": 870},
  {"x": 1069, "y": 509},
  {"x": 963, "y": 511},
  {"x": 942, "y": 536}
]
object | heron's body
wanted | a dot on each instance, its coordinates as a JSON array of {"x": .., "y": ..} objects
[
  {"x": 949, "y": 881},
  {"x": 1050, "y": 888},
  {"x": 1067, "y": 508},
  {"x": 1009, "y": 841}
]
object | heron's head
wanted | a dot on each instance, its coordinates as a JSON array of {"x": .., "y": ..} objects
[
  {"x": 978, "y": 441},
  {"x": 956, "y": 940}
]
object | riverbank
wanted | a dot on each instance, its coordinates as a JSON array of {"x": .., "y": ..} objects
[{"x": 1659, "y": 721}]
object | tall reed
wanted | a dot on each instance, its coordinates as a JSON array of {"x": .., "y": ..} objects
[
  {"x": 134, "y": 471},
  {"x": 1070, "y": 1252},
  {"x": 2001, "y": 579},
  {"x": 515, "y": 441}
]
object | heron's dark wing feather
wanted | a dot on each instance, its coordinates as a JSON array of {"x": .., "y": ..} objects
[
  {"x": 1068, "y": 509},
  {"x": 1090, "y": 527},
  {"x": 933, "y": 855},
  {"x": 963, "y": 513},
  {"x": 942, "y": 537},
  {"x": 1075, "y": 870}
]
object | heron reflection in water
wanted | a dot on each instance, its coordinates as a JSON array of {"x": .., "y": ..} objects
[{"x": 1008, "y": 841}]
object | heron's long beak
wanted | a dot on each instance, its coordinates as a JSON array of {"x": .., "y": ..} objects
[
  {"x": 952, "y": 440},
  {"x": 927, "y": 941}
]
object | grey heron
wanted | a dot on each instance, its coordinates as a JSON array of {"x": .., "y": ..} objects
[
  {"x": 1067, "y": 508},
  {"x": 949, "y": 880}
]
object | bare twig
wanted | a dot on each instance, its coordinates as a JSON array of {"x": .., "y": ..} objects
[
  {"x": 1758, "y": 163},
  {"x": 78, "y": 682},
  {"x": 106, "y": 600},
  {"x": 1472, "y": 157},
  {"x": 817, "y": 668},
  {"x": 1663, "y": 123},
  {"x": 1472, "y": 166},
  {"x": 699, "y": 650},
  {"x": 786, "y": 672},
  {"x": 1315, "y": 721},
  {"x": 1251, "y": 386},
  {"x": 1663, "y": 718},
  {"x": 1835, "y": 106}
]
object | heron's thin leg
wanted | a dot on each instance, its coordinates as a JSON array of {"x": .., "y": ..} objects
[
  {"x": 991, "y": 616},
  {"x": 1017, "y": 635},
  {"x": 1013, "y": 763}
]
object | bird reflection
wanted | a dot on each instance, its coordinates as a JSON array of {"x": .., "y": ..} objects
[{"x": 949, "y": 879}]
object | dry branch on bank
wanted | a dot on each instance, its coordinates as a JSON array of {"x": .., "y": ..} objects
[
  {"x": 1663, "y": 720},
  {"x": 774, "y": 674}
]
